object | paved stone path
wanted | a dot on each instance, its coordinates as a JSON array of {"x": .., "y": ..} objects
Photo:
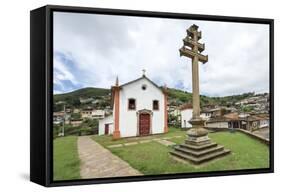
[
  {"x": 97, "y": 162},
  {"x": 164, "y": 141}
]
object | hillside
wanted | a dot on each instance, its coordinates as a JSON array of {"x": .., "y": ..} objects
[
  {"x": 72, "y": 99},
  {"x": 176, "y": 97},
  {"x": 82, "y": 93}
]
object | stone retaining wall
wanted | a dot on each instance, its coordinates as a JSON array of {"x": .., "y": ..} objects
[{"x": 262, "y": 139}]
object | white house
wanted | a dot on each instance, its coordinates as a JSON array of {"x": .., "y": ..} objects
[
  {"x": 217, "y": 123},
  {"x": 139, "y": 108},
  {"x": 98, "y": 114},
  {"x": 92, "y": 113},
  {"x": 186, "y": 115},
  {"x": 106, "y": 126}
]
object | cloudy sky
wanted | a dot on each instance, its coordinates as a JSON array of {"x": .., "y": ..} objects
[{"x": 91, "y": 50}]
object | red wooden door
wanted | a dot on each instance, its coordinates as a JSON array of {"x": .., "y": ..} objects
[
  {"x": 106, "y": 129},
  {"x": 144, "y": 124}
]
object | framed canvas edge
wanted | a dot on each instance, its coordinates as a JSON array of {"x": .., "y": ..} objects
[{"x": 49, "y": 81}]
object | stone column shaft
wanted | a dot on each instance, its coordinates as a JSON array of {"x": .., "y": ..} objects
[
  {"x": 195, "y": 82},
  {"x": 195, "y": 89}
]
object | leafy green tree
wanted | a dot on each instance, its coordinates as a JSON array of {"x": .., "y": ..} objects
[{"x": 75, "y": 116}]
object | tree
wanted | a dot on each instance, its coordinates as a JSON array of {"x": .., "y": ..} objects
[{"x": 75, "y": 116}]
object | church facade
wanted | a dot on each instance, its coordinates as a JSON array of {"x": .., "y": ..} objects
[{"x": 139, "y": 109}]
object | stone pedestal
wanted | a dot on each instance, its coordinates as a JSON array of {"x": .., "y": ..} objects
[
  {"x": 198, "y": 148},
  {"x": 197, "y": 135}
]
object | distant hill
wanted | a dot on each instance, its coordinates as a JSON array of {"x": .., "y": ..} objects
[
  {"x": 82, "y": 93},
  {"x": 175, "y": 96}
]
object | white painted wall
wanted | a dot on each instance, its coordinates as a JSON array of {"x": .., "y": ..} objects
[
  {"x": 102, "y": 122},
  {"x": 217, "y": 124},
  {"x": 264, "y": 123},
  {"x": 186, "y": 115},
  {"x": 205, "y": 116},
  {"x": 128, "y": 118}
]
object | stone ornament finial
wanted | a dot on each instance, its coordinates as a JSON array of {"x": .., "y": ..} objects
[
  {"x": 143, "y": 72},
  {"x": 117, "y": 81}
]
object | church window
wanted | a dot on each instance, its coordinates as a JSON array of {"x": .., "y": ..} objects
[
  {"x": 143, "y": 87},
  {"x": 132, "y": 104},
  {"x": 155, "y": 105}
]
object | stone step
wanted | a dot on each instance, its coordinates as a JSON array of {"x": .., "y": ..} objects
[
  {"x": 199, "y": 147},
  {"x": 198, "y": 160},
  {"x": 199, "y": 153},
  {"x": 198, "y": 143}
]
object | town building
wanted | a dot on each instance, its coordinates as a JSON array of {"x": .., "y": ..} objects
[
  {"x": 186, "y": 115},
  {"x": 90, "y": 113},
  {"x": 106, "y": 125}
]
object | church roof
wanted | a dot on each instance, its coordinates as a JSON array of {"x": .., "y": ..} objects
[
  {"x": 130, "y": 82},
  {"x": 142, "y": 77}
]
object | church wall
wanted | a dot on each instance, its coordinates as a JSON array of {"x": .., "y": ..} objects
[{"x": 128, "y": 118}]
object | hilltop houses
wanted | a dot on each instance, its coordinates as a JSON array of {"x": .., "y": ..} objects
[
  {"x": 91, "y": 113},
  {"x": 239, "y": 121},
  {"x": 139, "y": 109},
  {"x": 220, "y": 117}
]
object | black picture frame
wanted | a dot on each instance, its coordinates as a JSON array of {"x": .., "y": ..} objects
[{"x": 41, "y": 83}]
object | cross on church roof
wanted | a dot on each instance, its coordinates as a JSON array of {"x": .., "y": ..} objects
[{"x": 143, "y": 72}]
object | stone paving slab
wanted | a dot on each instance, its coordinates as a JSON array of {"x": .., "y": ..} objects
[
  {"x": 163, "y": 141},
  {"x": 98, "y": 162},
  {"x": 114, "y": 146},
  {"x": 177, "y": 136},
  {"x": 166, "y": 142},
  {"x": 131, "y": 143},
  {"x": 145, "y": 141}
]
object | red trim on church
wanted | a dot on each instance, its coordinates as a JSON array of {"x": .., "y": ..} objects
[
  {"x": 166, "y": 129},
  {"x": 116, "y": 90}
]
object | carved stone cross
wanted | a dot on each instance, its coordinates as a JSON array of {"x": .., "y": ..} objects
[
  {"x": 196, "y": 147},
  {"x": 192, "y": 49}
]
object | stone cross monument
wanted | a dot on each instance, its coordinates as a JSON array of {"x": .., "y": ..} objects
[
  {"x": 191, "y": 40},
  {"x": 198, "y": 147}
]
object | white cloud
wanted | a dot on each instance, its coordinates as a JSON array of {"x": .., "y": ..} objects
[{"x": 106, "y": 46}]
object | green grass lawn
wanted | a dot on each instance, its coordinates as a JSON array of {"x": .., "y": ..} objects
[
  {"x": 106, "y": 140},
  {"x": 154, "y": 158},
  {"x": 66, "y": 160}
]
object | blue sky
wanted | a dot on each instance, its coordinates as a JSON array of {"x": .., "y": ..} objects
[{"x": 91, "y": 50}]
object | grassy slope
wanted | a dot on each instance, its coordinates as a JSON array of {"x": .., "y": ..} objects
[
  {"x": 84, "y": 93},
  {"x": 154, "y": 158},
  {"x": 66, "y": 160}
]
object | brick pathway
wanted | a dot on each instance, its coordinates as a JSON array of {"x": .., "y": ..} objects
[{"x": 97, "y": 162}]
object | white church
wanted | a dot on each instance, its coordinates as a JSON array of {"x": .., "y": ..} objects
[{"x": 139, "y": 109}]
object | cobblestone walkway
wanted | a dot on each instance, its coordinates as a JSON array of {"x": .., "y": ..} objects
[{"x": 97, "y": 162}]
